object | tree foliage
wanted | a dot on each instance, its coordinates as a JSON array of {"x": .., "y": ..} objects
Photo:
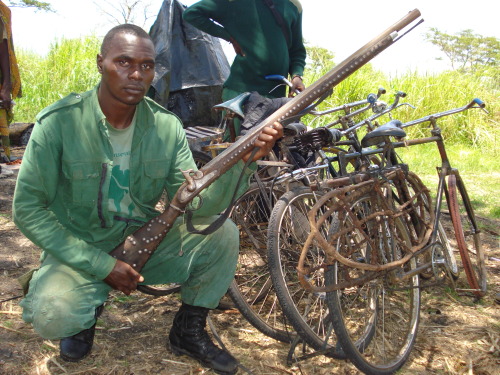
[
  {"x": 39, "y": 5},
  {"x": 467, "y": 50},
  {"x": 319, "y": 61}
]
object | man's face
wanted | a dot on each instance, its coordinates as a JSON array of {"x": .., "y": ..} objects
[{"x": 127, "y": 69}]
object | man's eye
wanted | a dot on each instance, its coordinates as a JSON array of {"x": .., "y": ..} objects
[
  {"x": 147, "y": 67},
  {"x": 123, "y": 63}
]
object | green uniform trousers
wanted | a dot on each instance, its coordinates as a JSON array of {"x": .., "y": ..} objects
[{"x": 61, "y": 301}]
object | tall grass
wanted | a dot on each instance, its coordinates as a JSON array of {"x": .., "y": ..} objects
[
  {"x": 480, "y": 172},
  {"x": 428, "y": 93},
  {"x": 70, "y": 66},
  {"x": 473, "y": 136}
]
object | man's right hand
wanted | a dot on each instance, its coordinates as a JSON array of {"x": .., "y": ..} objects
[{"x": 123, "y": 278}]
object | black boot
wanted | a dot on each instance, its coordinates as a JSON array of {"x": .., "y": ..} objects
[
  {"x": 188, "y": 336},
  {"x": 77, "y": 347}
]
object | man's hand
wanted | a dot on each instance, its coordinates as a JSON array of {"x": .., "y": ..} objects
[
  {"x": 297, "y": 85},
  {"x": 265, "y": 141},
  {"x": 236, "y": 46},
  {"x": 123, "y": 278}
]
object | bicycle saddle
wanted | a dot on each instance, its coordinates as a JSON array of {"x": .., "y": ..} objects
[
  {"x": 234, "y": 105},
  {"x": 294, "y": 129},
  {"x": 377, "y": 136}
]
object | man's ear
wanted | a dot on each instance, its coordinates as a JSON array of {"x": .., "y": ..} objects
[{"x": 99, "y": 63}]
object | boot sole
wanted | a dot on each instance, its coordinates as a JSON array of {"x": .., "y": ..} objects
[
  {"x": 179, "y": 351},
  {"x": 68, "y": 359}
]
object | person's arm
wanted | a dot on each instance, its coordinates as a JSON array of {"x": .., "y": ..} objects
[
  {"x": 217, "y": 196},
  {"x": 36, "y": 189},
  {"x": 204, "y": 16},
  {"x": 298, "y": 55},
  {"x": 6, "y": 89}
]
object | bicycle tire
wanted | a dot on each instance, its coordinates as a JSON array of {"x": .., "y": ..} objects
[
  {"x": 376, "y": 321},
  {"x": 468, "y": 242},
  {"x": 251, "y": 290},
  {"x": 422, "y": 212},
  {"x": 307, "y": 312}
]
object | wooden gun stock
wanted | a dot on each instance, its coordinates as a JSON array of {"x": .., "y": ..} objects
[{"x": 138, "y": 247}]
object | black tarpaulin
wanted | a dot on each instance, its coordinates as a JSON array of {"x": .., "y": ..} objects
[{"x": 190, "y": 67}]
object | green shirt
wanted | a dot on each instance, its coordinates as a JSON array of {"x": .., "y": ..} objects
[
  {"x": 120, "y": 200},
  {"x": 62, "y": 191},
  {"x": 252, "y": 24}
]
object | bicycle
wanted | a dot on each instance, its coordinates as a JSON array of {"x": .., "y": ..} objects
[
  {"x": 452, "y": 185},
  {"x": 289, "y": 227},
  {"x": 252, "y": 291},
  {"x": 372, "y": 282}
]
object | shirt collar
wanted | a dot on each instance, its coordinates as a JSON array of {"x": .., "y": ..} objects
[{"x": 143, "y": 114}]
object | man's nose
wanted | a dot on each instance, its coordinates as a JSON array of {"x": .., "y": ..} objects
[{"x": 136, "y": 74}]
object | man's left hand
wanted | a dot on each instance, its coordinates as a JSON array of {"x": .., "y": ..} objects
[
  {"x": 297, "y": 85},
  {"x": 265, "y": 141}
]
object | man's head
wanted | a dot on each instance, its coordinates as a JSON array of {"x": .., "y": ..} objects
[{"x": 126, "y": 63}]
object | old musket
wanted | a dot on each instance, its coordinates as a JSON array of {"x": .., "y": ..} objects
[{"x": 138, "y": 247}]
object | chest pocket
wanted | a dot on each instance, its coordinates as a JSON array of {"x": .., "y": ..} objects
[
  {"x": 154, "y": 176},
  {"x": 84, "y": 181}
]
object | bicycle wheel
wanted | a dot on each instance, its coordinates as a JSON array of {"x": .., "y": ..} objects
[
  {"x": 467, "y": 235},
  {"x": 251, "y": 290},
  {"x": 442, "y": 256},
  {"x": 420, "y": 216},
  {"x": 307, "y": 312},
  {"x": 376, "y": 321}
]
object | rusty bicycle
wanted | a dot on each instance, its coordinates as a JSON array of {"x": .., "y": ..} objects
[{"x": 373, "y": 229}]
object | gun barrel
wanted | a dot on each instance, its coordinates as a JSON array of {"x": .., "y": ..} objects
[{"x": 139, "y": 246}]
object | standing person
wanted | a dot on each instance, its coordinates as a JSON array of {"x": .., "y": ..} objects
[
  {"x": 266, "y": 36},
  {"x": 94, "y": 169},
  {"x": 9, "y": 79}
]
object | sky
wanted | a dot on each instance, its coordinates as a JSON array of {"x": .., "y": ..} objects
[{"x": 339, "y": 26}]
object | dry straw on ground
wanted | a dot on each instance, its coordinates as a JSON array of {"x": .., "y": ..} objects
[{"x": 457, "y": 335}]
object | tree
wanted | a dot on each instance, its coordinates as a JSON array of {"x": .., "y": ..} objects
[
  {"x": 40, "y": 5},
  {"x": 126, "y": 11},
  {"x": 319, "y": 61},
  {"x": 467, "y": 50}
]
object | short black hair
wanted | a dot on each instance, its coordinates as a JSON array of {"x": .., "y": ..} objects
[{"x": 126, "y": 28}]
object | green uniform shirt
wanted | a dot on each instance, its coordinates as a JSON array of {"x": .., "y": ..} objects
[
  {"x": 252, "y": 24},
  {"x": 61, "y": 197}
]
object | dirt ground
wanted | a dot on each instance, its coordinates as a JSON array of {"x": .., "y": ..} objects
[{"x": 457, "y": 335}]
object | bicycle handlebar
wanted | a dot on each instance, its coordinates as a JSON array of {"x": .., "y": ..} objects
[
  {"x": 371, "y": 99},
  {"x": 475, "y": 103},
  {"x": 395, "y": 104}
]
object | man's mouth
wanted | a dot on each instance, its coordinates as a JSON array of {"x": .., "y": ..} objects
[{"x": 134, "y": 89}]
